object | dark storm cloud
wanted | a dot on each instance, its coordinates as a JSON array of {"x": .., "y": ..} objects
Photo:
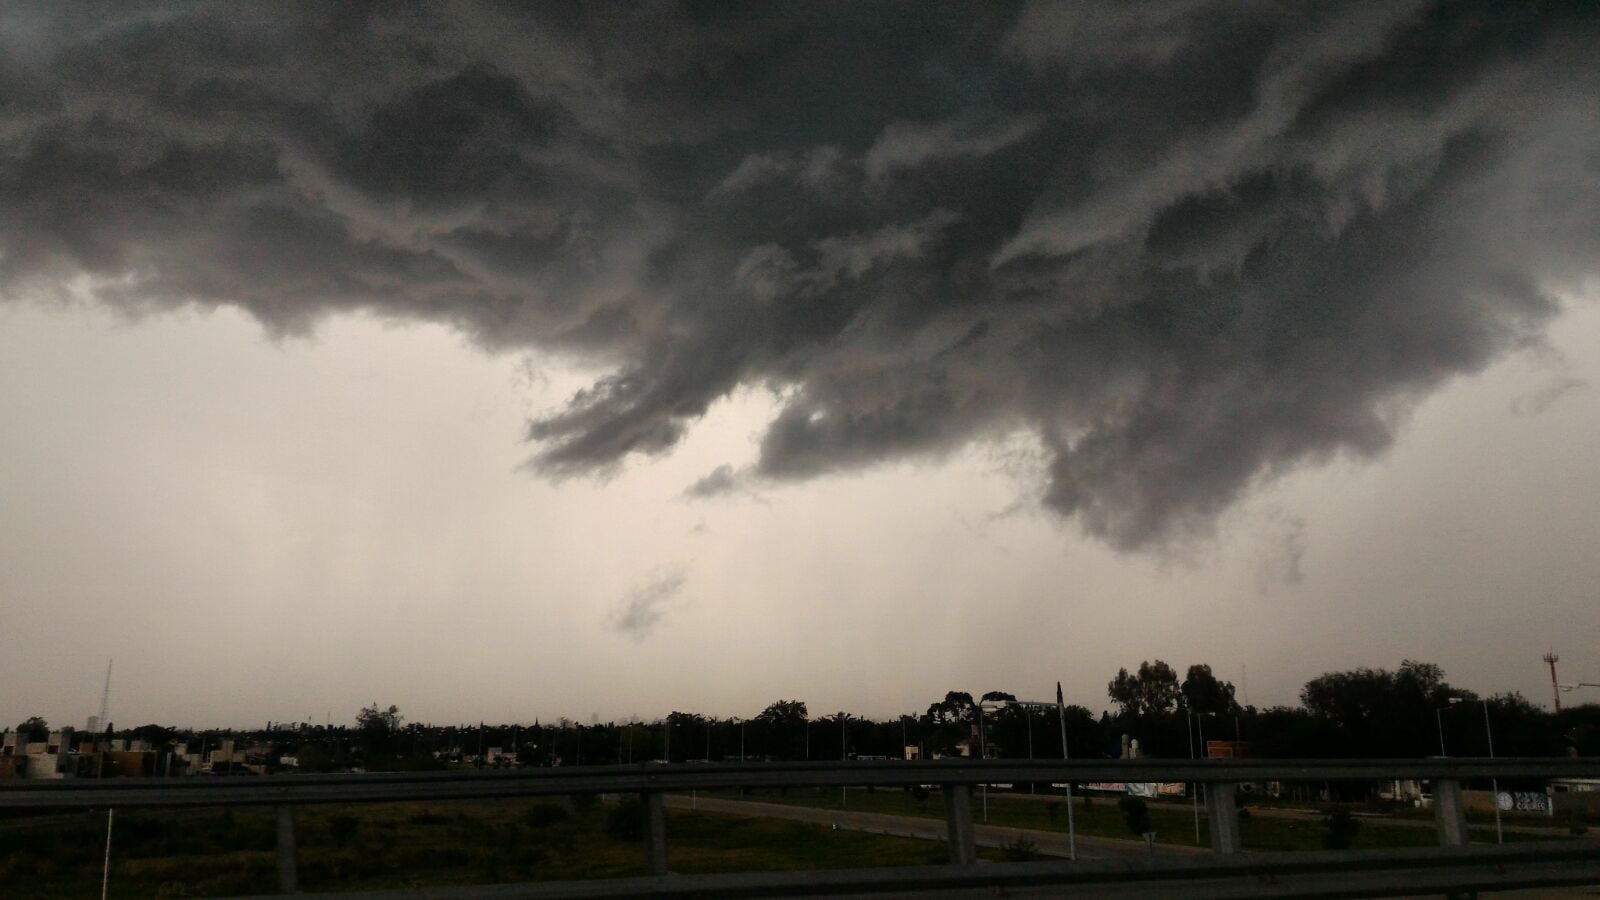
[
  {"x": 1189, "y": 245},
  {"x": 638, "y": 614},
  {"x": 719, "y": 481}
]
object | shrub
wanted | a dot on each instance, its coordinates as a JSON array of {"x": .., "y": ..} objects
[
  {"x": 343, "y": 828},
  {"x": 543, "y": 815},
  {"x": 1021, "y": 848},
  {"x": 1341, "y": 830},
  {"x": 625, "y": 822},
  {"x": 1135, "y": 814}
]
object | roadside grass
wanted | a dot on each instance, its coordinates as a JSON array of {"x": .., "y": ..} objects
[
  {"x": 1100, "y": 817},
  {"x": 212, "y": 852}
]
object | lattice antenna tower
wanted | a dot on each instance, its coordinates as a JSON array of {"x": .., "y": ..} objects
[{"x": 1555, "y": 689}]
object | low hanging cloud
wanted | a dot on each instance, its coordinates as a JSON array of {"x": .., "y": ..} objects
[
  {"x": 1537, "y": 401},
  {"x": 1190, "y": 246},
  {"x": 638, "y": 613},
  {"x": 717, "y": 483}
]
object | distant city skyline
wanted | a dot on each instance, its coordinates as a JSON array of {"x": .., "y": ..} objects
[{"x": 506, "y": 364}]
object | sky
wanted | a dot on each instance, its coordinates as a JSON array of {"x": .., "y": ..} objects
[{"x": 600, "y": 361}]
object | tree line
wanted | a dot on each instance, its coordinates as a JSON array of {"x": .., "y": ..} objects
[{"x": 1408, "y": 712}]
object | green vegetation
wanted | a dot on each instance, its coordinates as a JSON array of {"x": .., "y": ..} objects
[
  {"x": 1172, "y": 823},
  {"x": 210, "y": 852},
  {"x": 1135, "y": 815}
]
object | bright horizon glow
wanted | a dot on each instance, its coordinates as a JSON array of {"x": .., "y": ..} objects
[{"x": 287, "y": 531}]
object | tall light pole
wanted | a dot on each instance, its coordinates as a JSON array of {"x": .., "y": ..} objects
[
  {"x": 1440, "y": 720},
  {"x": 983, "y": 753},
  {"x": 1061, "y": 712},
  {"x": 1494, "y": 783},
  {"x": 844, "y": 722},
  {"x": 1194, "y": 786},
  {"x": 1028, "y": 711},
  {"x": 1204, "y": 755}
]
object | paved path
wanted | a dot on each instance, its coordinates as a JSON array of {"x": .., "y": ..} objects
[
  {"x": 1276, "y": 812},
  {"x": 1048, "y": 843},
  {"x": 1311, "y": 815}
]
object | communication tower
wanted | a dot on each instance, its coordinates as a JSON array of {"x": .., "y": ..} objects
[{"x": 1555, "y": 689}]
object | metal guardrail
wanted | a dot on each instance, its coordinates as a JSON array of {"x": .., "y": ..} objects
[
  {"x": 955, "y": 778},
  {"x": 649, "y": 778}
]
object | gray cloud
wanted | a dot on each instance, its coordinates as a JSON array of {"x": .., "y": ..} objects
[
  {"x": 1281, "y": 561},
  {"x": 716, "y": 483},
  {"x": 638, "y": 614},
  {"x": 1536, "y": 402},
  {"x": 1189, "y": 245}
]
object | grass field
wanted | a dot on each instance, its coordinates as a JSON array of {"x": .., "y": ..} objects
[
  {"x": 1099, "y": 816},
  {"x": 211, "y": 852}
]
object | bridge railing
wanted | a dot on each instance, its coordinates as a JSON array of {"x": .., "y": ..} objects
[{"x": 651, "y": 782}]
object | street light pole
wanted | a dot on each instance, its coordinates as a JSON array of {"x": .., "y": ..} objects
[
  {"x": 1072, "y": 827},
  {"x": 1440, "y": 720},
  {"x": 1061, "y": 715},
  {"x": 1027, "y": 710},
  {"x": 983, "y": 753},
  {"x": 844, "y": 722},
  {"x": 1494, "y": 783},
  {"x": 1200, "y": 725},
  {"x": 1194, "y": 786}
]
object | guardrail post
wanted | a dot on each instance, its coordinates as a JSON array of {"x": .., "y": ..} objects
[
  {"x": 655, "y": 833},
  {"x": 288, "y": 874},
  {"x": 1449, "y": 812},
  {"x": 958, "y": 810},
  {"x": 1222, "y": 816}
]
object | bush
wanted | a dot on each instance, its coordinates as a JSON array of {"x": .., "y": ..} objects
[
  {"x": 343, "y": 828},
  {"x": 1341, "y": 830},
  {"x": 543, "y": 815},
  {"x": 625, "y": 822},
  {"x": 1021, "y": 848},
  {"x": 1135, "y": 814}
]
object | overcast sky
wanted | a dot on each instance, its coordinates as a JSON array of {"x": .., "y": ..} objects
[{"x": 608, "y": 361}]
